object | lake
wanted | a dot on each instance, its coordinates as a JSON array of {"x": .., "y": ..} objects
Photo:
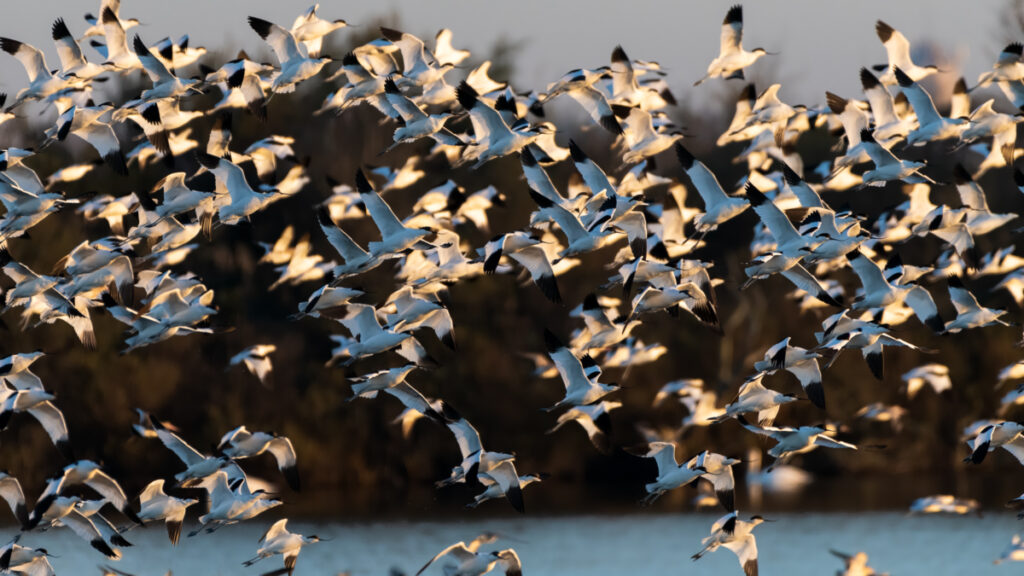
[{"x": 650, "y": 543}]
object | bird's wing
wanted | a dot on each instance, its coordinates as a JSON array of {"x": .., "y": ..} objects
[
  {"x": 597, "y": 107},
  {"x": 1016, "y": 447},
  {"x": 871, "y": 276},
  {"x": 30, "y": 57},
  {"x": 826, "y": 442},
  {"x": 158, "y": 73},
  {"x": 281, "y": 41},
  {"x": 68, "y": 50},
  {"x": 11, "y": 492},
  {"x": 342, "y": 242},
  {"x": 732, "y": 31},
  {"x": 108, "y": 488},
  {"x": 804, "y": 280},
  {"x": 380, "y": 212},
  {"x": 181, "y": 449},
  {"x": 506, "y": 476},
  {"x": 458, "y": 550},
  {"x": 780, "y": 226},
  {"x": 921, "y": 301},
  {"x": 406, "y": 108},
  {"x": 536, "y": 262},
  {"x": 410, "y": 397},
  {"x": 52, "y": 420},
  {"x": 919, "y": 99},
  {"x": 746, "y": 550},
  {"x": 276, "y": 529},
  {"x": 703, "y": 179},
  {"x": 88, "y": 532}
]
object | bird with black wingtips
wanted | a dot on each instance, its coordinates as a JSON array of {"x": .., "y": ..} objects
[
  {"x": 732, "y": 59},
  {"x": 241, "y": 443}
]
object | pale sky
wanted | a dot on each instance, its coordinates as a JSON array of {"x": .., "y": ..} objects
[{"x": 821, "y": 43}]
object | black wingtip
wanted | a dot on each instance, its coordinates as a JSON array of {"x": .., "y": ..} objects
[
  {"x": 108, "y": 16},
  {"x": 836, "y": 103},
  {"x": 291, "y": 476},
  {"x": 390, "y": 87},
  {"x": 868, "y": 80},
  {"x": 139, "y": 46},
  {"x": 686, "y": 159},
  {"x": 755, "y": 196},
  {"x": 527, "y": 157},
  {"x": 9, "y": 45},
  {"x": 59, "y": 30},
  {"x": 619, "y": 55},
  {"x": 816, "y": 394},
  {"x": 590, "y": 302},
  {"x": 102, "y": 546},
  {"x": 960, "y": 175},
  {"x": 208, "y": 161},
  {"x": 960, "y": 87},
  {"x": 727, "y": 498},
  {"x": 902, "y": 78},
  {"x": 117, "y": 162},
  {"x": 1014, "y": 48},
  {"x": 611, "y": 124},
  {"x": 363, "y": 185},
  {"x": 540, "y": 200},
  {"x": 552, "y": 342},
  {"x": 391, "y": 34},
  {"x": 236, "y": 78},
  {"x": 515, "y": 498},
  {"x": 978, "y": 456},
  {"x": 866, "y": 136},
  {"x": 576, "y": 153},
  {"x": 549, "y": 287},
  {"x": 792, "y": 178},
  {"x": 66, "y": 450},
  {"x": 884, "y": 31},
  {"x": 261, "y": 26},
  {"x": 734, "y": 15},
  {"x": 466, "y": 95}
]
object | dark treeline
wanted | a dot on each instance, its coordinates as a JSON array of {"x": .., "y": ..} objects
[{"x": 352, "y": 449}]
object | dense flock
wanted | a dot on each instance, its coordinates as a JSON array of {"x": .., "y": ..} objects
[{"x": 848, "y": 264}]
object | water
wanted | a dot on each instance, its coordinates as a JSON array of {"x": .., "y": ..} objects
[{"x": 793, "y": 545}]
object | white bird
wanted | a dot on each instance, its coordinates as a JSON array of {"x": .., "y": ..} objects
[
  {"x": 492, "y": 136},
  {"x": 595, "y": 421},
  {"x": 581, "y": 385},
  {"x": 933, "y": 375},
  {"x": 156, "y": 505},
  {"x": 887, "y": 166},
  {"x": 969, "y": 314},
  {"x": 671, "y": 475},
  {"x": 753, "y": 396},
  {"x": 278, "y": 540},
  {"x": 799, "y": 362},
  {"x": 310, "y": 29},
  {"x": 472, "y": 563},
  {"x": 793, "y": 441},
  {"x": 897, "y": 47},
  {"x": 718, "y": 207},
  {"x": 931, "y": 127},
  {"x": 38, "y": 403},
  {"x": 395, "y": 236},
  {"x": 880, "y": 293},
  {"x": 732, "y": 58},
  {"x": 736, "y": 535},
  {"x": 296, "y": 64},
  {"x": 82, "y": 472},
  {"x": 241, "y": 443}
]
